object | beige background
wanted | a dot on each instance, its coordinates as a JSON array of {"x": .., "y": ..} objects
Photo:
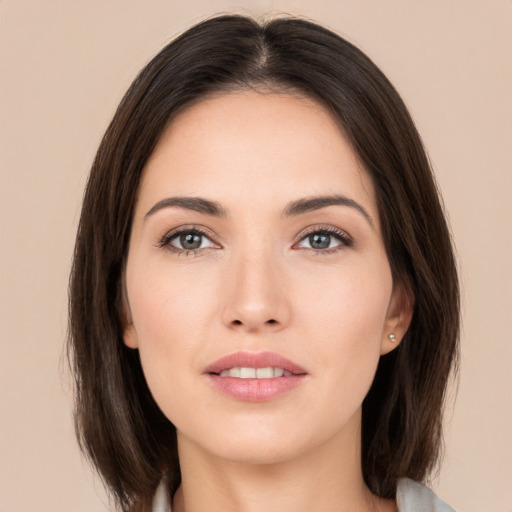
[{"x": 63, "y": 68}]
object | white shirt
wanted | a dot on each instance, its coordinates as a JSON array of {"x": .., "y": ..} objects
[
  {"x": 410, "y": 496},
  {"x": 414, "y": 497}
]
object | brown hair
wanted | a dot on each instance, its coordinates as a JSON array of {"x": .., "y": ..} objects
[{"x": 120, "y": 427}]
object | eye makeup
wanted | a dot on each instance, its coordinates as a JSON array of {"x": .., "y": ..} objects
[{"x": 193, "y": 240}]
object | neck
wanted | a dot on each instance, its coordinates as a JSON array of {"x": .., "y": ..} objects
[{"x": 326, "y": 478}]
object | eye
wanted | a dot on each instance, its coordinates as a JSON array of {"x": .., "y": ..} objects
[
  {"x": 325, "y": 240},
  {"x": 186, "y": 241}
]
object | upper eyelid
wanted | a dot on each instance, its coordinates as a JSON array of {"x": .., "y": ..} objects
[
  {"x": 314, "y": 229},
  {"x": 323, "y": 228},
  {"x": 188, "y": 228}
]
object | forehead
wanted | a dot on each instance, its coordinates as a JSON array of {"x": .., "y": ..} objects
[{"x": 258, "y": 147}]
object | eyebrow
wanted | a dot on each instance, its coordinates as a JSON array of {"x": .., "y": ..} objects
[
  {"x": 309, "y": 204},
  {"x": 196, "y": 204},
  {"x": 292, "y": 209}
]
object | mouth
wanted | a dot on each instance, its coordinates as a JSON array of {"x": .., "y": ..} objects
[
  {"x": 260, "y": 365},
  {"x": 255, "y": 373},
  {"x": 255, "y": 377}
]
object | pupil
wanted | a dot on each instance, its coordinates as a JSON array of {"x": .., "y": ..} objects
[
  {"x": 190, "y": 241},
  {"x": 320, "y": 241}
]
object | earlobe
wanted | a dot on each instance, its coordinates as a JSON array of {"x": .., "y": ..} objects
[
  {"x": 130, "y": 336},
  {"x": 399, "y": 316},
  {"x": 129, "y": 333}
]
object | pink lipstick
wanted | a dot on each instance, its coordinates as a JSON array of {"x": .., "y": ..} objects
[{"x": 255, "y": 377}]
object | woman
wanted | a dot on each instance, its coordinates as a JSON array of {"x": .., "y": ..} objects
[{"x": 264, "y": 299}]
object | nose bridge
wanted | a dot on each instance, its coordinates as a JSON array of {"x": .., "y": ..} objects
[{"x": 255, "y": 296}]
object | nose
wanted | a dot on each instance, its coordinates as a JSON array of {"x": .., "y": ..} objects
[{"x": 255, "y": 298}]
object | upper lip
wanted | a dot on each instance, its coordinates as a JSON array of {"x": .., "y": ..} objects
[{"x": 254, "y": 360}]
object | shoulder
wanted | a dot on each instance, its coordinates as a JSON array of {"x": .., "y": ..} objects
[
  {"x": 412, "y": 496},
  {"x": 161, "y": 500}
]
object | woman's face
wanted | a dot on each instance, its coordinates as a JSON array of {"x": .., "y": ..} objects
[{"x": 259, "y": 292}]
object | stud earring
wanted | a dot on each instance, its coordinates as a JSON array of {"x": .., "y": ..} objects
[{"x": 392, "y": 338}]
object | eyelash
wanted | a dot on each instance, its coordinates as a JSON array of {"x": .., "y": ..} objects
[{"x": 341, "y": 236}]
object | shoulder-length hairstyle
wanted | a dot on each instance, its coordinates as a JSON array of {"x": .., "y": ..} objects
[{"x": 119, "y": 426}]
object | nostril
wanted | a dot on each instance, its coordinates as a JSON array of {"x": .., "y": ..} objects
[{"x": 239, "y": 322}]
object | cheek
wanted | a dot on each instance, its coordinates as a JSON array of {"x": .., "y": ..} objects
[
  {"x": 344, "y": 323},
  {"x": 349, "y": 302},
  {"x": 170, "y": 314},
  {"x": 165, "y": 305},
  {"x": 336, "y": 322}
]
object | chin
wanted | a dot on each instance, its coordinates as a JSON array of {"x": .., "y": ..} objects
[
  {"x": 258, "y": 446},
  {"x": 260, "y": 454}
]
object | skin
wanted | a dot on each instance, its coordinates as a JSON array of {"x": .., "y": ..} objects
[{"x": 256, "y": 284}]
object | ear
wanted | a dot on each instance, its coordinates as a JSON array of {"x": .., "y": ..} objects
[
  {"x": 130, "y": 337},
  {"x": 398, "y": 317}
]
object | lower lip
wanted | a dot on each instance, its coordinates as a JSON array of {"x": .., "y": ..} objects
[{"x": 255, "y": 390}]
